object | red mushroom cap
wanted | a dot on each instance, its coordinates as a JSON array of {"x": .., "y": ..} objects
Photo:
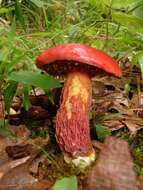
[{"x": 82, "y": 54}]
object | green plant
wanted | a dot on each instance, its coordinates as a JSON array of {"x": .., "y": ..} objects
[
  {"x": 102, "y": 132},
  {"x": 67, "y": 183},
  {"x": 17, "y": 66}
]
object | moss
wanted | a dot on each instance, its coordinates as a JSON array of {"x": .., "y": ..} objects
[{"x": 57, "y": 169}]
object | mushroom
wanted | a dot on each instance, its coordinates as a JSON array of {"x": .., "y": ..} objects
[{"x": 80, "y": 63}]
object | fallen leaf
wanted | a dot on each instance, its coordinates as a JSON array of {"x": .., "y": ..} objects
[
  {"x": 109, "y": 80},
  {"x": 18, "y": 178},
  {"x": 20, "y": 130},
  {"x": 35, "y": 164},
  {"x": 97, "y": 144},
  {"x": 135, "y": 102},
  {"x": 37, "y": 112},
  {"x": 138, "y": 111},
  {"x": 133, "y": 124},
  {"x": 114, "y": 168},
  {"x": 114, "y": 125},
  {"x": 42, "y": 185},
  {"x": 101, "y": 107},
  {"x": 22, "y": 147},
  {"x": 141, "y": 99},
  {"x": 19, "y": 151},
  {"x": 5, "y": 168},
  {"x": 2, "y": 145},
  {"x": 67, "y": 183}
]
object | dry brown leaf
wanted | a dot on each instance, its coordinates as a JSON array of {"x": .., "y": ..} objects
[
  {"x": 120, "y": 99},
  {"x": 20, "y": 130},
  {"x": 109, "y": 80},
  {"x": 97, "y": 144},
  {"x": 23, "y": 147},
  {"x": 18, "y": 178},
  {"x": 19, "y": 151},
  {"x": 98, "y": 88},
  {"x": 15, "y": 174},
  {"x": 37, "y": 112},
  {"x": 102, "y": 106},
  {"x": 114, "y": 124},
  {"x": 112, "y": 101},
  {"x": 114, "y": 168},
  {"x": 43, "y": 185},
  {"x": 5, "y": 168},
  {"x": 2, "y": 145},
  {"x": 133, "y": 124},
  {"x": 134, "y": 102},
  {"x": 141, "y": 99},
  {"x": 35, "y": 164}
]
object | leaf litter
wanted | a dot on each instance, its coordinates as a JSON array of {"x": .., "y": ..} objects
[{"x": 36, "y": 163}]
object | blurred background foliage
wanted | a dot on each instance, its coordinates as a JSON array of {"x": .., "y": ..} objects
[{"x": 27, "y": 27}]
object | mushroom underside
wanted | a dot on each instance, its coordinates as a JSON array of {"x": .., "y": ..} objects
[{"x": 63, "y": 67}]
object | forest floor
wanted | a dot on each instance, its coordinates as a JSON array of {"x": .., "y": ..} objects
[{"x": 31, "y": 159}]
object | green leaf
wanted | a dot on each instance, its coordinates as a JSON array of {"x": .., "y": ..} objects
[
  {"x": 141, "y": 64},
  {"x": 12, "y": 33},
  {"x": 3, "y": 61},
  {"x": 3, "y": 122},
  {"x": 26, "y": 101},
  {"x": 118, "y": 4},
  {"x": 127, "y": 88},
  {"x": 102, "y": 132},
  {"x": 98, "y": 44},
  {"x": 131, "y": 22},
  {"x": 4, "y": 10},
  {"x": 38, "y": 3},
  {"x": 36, "y": 79},
  {"x": 5, "y": 130},
  {"x": 50, "y": 96},
  {"x": 8, "y": 132},
  {"x": 139, "y": 11},
  {"x": 138, "y": 61},
  {"x": 19, "y": 13},
  {"x": 95, "y": 3},
  {"x": 67, "y": 183},
  {"x": 9, "y": 93},
  {"x": 136, "y": 58}
]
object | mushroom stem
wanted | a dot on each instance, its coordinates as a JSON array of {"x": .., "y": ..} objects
[{"x": 72, "y": 121}]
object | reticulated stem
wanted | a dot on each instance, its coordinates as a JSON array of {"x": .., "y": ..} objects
[{"x": 72, "y": 121}]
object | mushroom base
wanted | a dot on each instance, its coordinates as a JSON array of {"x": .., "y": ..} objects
[
  {"x": 72, "y": 121},
  {"x": 81, "y": 161}
]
